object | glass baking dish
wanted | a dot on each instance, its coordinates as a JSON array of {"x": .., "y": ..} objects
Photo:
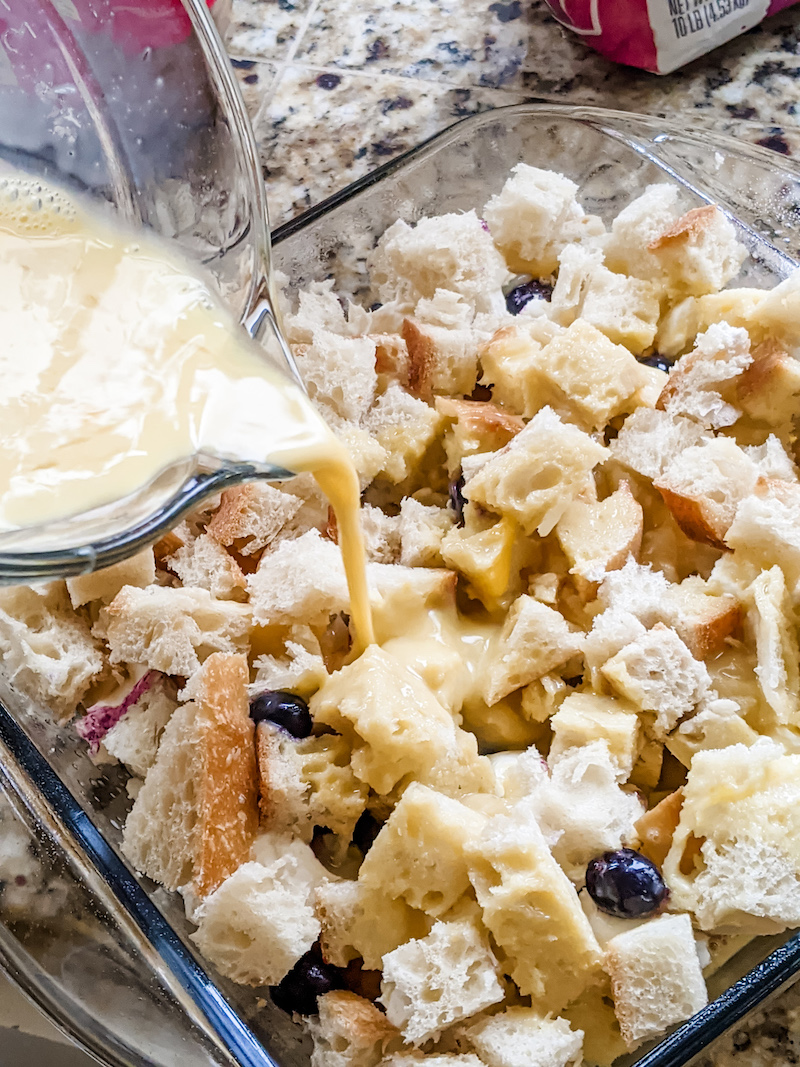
[{"x": 104, "y": 953}]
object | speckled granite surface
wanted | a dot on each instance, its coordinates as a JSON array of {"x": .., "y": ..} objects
[{"x": 337, "y": 87}]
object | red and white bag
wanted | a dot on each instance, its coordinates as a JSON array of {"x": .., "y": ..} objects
[{"x": 661, "y": 35}]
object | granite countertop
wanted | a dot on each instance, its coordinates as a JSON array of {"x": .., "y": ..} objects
[{"x": 337, "y": 87}]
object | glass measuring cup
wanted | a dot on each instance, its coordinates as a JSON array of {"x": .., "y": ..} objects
[{"x": 133, "y": 105}]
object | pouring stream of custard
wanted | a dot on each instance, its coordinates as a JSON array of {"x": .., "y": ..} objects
[{"x": 117, "y": 363}]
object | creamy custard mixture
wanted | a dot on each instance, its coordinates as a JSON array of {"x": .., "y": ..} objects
[{"x": 117, "y": 363}]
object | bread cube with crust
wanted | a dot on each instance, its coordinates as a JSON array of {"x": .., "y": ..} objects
[
  {"x": 433, "y": 982},
  {"x": 251, "y": 516},
  {"x": 534, "y": 215},
  {"x": 172, "y": 630},
  {"x": 766, "y": 530},
  {"x": 720, "y": 356},
  {"x": 405, "y": 427},
  {"x": 532, "y": 910},
  {"x": 771, "y": 619},
  {"x": 704, "y": 485},
  {"x": 134, "y": 740},
  {"x": 358, "y": 921},
  {"x": 451, "y": 252},
  {"x": 733, "y": 861},
  {"x": 48, "y": 652},
  {"x": 507, "y": 358},
  {"x": 533, "y": 479},
  {"x": 260, "y": 920},
  {"x": 441, "y": 360},
  {"x": 302, "y": 580},
  {"x": 195, "y": 817},
  {"x": 718, "y": 723},
  {"x": 394, "y": 724},
  {"x": 657, "y": 672},
  {"x": 203, "y": 563},
  {"x": 638, "y": 224},
  {"x": 584, "y": 718},
  {"x": 656, "y": 977},
  {"x": 420, "y": 854},
  {"x": 599, "y": 536},
  {"x": 534, "y": 640},
  {"x": 339, "y": 372},
  {"x": 475, "y": 427},
  {"x": 104, "y": 584},
  {"x": 484, "y": 556},
  {"x": 651, "y": 439},
  {"x": 701, "y": 619},
  {"x": 349, "y": 1031},
  {"x": 520, "y": 1036},
  {"x": 768, "y": 389}
]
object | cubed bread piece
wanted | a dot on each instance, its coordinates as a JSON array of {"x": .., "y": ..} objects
[
  {"x": 720, "y": 355},
  {"x": 301, "y": 669},
  {"x": 766, "y": 531},
  {"x": 582, "y": 809},
  {"x": 260, "y": 920},
  {"x": 593, "y": 1013},
  {"x": 534, "y": 215},
  {"x": 339, "y": 372},
  {"x": 635, "y": 588},
  {"x": 704, "y": 485},
  {"x": 196, "y": 814},
  {"x": 307, "y": 783},
  {"x": 771, "y": 619},
  {"x": 436, "y": 981},
  {"x": 703, "y": 621},
  {"x": 682, "y": 323},
  {"x": 658, "y": 673},
  {"x": 134, "y": 740},
  {"x": 768, "y": 390},
  {"x": 361, "y": 922},
  {"x": 699, "y": 253},
  {"x": 419, "y": 855},
  {"x": 521, "y": 1037},
  {"x": 507, "y": 358},
  {"x": 599, "y": 536},
  {"x": 367, "y": 455},
  {"x": 251, "y": 516},
  {"x": 405, "y": 427},
  {"x": 441, "y": 360},
  {"x": 172, "y": 630},
  {"x": 586, "y": 717},
  {"x": 534, "y": 478},
  {"x": 381, "y": 534},
  {"x": 204, "y": 564},
  {"x": 534, "y": 640},
  {"x": 47, "y": 650},
  {"x": 483, "y": 556},
  {"x": 651, "y": 439},
  {"x": 393, "y": 723},
  {"x": 302, "y": 580},
  {"x": 586, "y": 376},
  {"x": 718, "y": 723},
  {"x": 623, "y": 308},
  {"x": 317, "y": 306},
  {"x": 452, "y": 252},
  {"x": 656, "y": 977},
  {"x": 532, "y": 910},
  {"x": 611, "y": 631},
  {"x": 476, "y": 427},
  {"x": 104, "y": 584},
  {"x": 734, "y": 862},
  {"x": 637, "y": 225},
  {"x": 422, "y": 528},
  {"x": 349, "y": 1031}
]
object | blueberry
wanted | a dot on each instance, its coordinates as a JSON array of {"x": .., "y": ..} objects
[
  {"x": 521, "y": 295},
  {"x": 284, "y": 709},
  {"x": 656, "y": 360},
  {"x": 310, "y": 978},
  {"x": 626, "y": 884},
  {"x": 366, "y": 830},
  {"x": 457, "y": 499}
]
